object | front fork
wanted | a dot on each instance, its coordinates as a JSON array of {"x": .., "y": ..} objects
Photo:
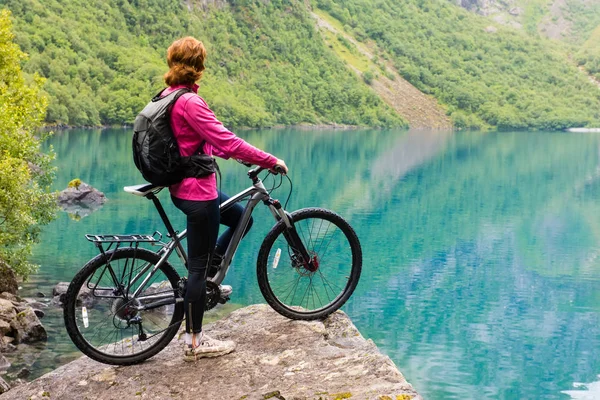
[{"x": 291, "y": 236}]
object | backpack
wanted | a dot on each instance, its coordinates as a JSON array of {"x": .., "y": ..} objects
[{"x": 155, "y": 150}]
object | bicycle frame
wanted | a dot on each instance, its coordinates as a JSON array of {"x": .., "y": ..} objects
[{"x": 255, "y": 194}]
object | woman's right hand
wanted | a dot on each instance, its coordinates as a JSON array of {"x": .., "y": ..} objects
[{"x": 280, "y": 164}]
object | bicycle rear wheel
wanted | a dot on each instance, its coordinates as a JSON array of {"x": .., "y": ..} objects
[
  {"x": 108, "y": 322},
  {"x": 296, "y": 292}
]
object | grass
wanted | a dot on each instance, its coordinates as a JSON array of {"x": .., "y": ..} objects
[{"x": 344, "y": 49}]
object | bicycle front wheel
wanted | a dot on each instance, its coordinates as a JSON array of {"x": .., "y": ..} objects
[
  {"x": 117, "y": 311},
  {"x": 293, "y": 290}
]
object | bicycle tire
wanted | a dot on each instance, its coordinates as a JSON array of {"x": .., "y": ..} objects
[
  {"x": 265, "y": 275},
  {"x": 117, "y": 305}
]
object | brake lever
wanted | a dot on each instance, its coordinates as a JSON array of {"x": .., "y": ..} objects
[{"x": 277, "y": 170}]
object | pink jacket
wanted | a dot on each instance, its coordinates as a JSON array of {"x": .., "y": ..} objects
[{"x": 192, "y": 121}]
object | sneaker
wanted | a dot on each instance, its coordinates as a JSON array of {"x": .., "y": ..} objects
[
  {"x": 226, "y": 290},
  {"x": 208, "y": 347}
]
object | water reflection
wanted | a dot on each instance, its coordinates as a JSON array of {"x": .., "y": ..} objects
[{"x": 480, "y": 249}]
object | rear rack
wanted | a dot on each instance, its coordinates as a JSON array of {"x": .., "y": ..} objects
[{"x": 155, "y": 237}]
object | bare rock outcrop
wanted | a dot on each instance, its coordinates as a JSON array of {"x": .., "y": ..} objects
[
  {"x": 276, "y": 358},
  {"x": 81, "y": 199},
  {"x": 27, "y": 327},
  {"x": 19, "y": 321}
]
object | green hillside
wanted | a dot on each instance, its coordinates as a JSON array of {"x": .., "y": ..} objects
[
  {"x": 104, "y": 60},
  {"x": 588, "y": 55},
  {"x": 574, "y": 23},
  {"x": 268, "y": 65},
  {"x": 501, "y": 77}
]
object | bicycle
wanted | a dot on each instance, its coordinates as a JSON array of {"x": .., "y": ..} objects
[{"x": 126, "y": 304}]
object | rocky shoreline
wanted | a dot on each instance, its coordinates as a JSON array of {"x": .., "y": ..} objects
[
  {"x": 20, "y": 325},
  {"x": 276, "y": 358}
]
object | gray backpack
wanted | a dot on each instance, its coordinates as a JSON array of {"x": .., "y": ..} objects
[{"x": 155, "y": 150}]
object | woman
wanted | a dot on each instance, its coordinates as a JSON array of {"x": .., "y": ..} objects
[{"x": 194, "y": 123}]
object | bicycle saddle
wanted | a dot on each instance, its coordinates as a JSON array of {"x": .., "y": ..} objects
[{"x": 143, "y": 190}]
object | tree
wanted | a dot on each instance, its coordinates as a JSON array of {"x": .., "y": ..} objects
[{"x": 25, "y": 171}]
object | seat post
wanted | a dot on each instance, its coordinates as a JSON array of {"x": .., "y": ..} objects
[{"x": 163, "y": 215}]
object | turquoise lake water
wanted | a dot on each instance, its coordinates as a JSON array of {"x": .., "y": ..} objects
[{"x": 481, "y": 250}]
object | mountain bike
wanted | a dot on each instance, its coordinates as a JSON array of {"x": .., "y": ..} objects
[{"x": 126, "y": 304}]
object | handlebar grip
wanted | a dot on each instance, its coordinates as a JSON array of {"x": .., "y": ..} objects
[{"x": 279, "y": 170}]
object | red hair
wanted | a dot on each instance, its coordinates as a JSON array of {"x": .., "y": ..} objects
[{"x": 185, "y": 57}]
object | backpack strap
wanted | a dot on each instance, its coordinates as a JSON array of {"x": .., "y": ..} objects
[{"x": 178, "y": 94}]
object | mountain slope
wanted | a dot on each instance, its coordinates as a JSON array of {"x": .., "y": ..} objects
[
  {"x": 420, "y": 110},
  {"x": 266, "y": 64},
  {"x": 486, "y": 75},
  {"x": 576, "y": 23}
]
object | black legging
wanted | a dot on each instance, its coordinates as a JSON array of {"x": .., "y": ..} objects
[{"x": 203, "y": 219}]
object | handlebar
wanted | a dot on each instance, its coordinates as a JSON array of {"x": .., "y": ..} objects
[{"x": 253, "y": 173}]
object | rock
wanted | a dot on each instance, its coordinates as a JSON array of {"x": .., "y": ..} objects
[
  {"x": 8, "y": 279},
  {"x": 274, "y": 357},
  {"x": 85, "y": 295},
  {"x": 16, "y": 382},
  {"x": 4, "y": 328},
  {"x": 39, "y": 313},
  {"x": 4, "y": 363},
  {"x": 4, "y": 387},
  {"x": 60, "y": 288},
  {"x": 491, "y": 29},
  {"x": 10, "y": 296},
  {"x": 7, "y": 310},
  {"x": 81, "y": 201},
  {"x": 27, "y": 327},
  {"x": 6, "y": 345},
  {"x": 23, "y": 373},
  {"x": 515, "y": 11},
  {"x": 33, "y": 303},
  {"x": 40, "y": 294}
]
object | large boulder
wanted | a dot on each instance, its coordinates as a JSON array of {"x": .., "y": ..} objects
[
  {"x": 81, "y": 200},
  {"x": 27, "y": 327},
  {"x": 8, "y": 279},
  {"x": 275, "y": 358}
]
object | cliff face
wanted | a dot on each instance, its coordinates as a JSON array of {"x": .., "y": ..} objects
[{"x": 275, "y": 358}]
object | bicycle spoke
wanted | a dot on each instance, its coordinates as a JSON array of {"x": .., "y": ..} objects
[
  {"x": 325, "y": 235},
  {"x": 294, "y": 285},
  {"x": 114, "y": 323},
  {"x": 293, "y": 290}
]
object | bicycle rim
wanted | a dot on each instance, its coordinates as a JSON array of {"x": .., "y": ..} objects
[
  {"x": 103, "y": 314},
  {"x": 297, "y": 292}
]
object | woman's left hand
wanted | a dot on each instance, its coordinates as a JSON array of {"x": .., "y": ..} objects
[{"x": 279, "y": 167}]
